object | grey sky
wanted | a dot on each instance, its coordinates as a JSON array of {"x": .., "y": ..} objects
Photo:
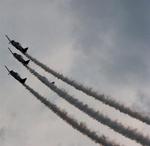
[{"x": 102, "y": 43}]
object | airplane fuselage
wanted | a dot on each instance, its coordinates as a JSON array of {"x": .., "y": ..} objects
[
  {"x": 19, "y": 58},
  {"x": 18, "y": 46},
  {"x": 17, "y": 77}
]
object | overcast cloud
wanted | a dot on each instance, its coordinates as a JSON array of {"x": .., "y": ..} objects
[{"x": 101, "y": 43}]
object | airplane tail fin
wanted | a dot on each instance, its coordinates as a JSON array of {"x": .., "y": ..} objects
[
  {"x": 25, "y": 50},
  {"x": 27, "y": 62},
  {"x": 23, "y": 80}
]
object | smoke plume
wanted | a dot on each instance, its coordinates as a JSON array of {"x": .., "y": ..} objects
[
  {"x": 89, "y": 91},
  {"x": 118, "y": 127},
  {"x": 71, "y": 121}
]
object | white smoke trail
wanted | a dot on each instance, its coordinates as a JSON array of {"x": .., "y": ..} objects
[
  {"x": 106, "y": 100},
  {"x": 118, "y": 127},
  {"x": 71, "y": 121}
]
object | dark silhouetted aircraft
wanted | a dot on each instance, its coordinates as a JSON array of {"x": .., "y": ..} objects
[
  {"x": 19, "y": 58},
  {"x": 16, "y": 76},
  {"x": 17, "y": 45},
  {"x": 52, "y": 82}
]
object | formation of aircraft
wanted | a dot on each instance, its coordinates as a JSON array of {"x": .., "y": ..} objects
[
  {"x": 19, "y": 58},
  {"x": 16, "y": 75},
  {"x": 17, "y": 45}
]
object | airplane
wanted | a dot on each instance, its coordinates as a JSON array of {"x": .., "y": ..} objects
[
  {"x": 52, "y": 82},
  {"x": 16, "y": 76},
  {"x": 19, "y": 58},
  {"x": 17, "y": 45}
]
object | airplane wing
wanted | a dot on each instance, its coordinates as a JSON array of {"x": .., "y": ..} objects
[
  {"x": 10, "y": 50},
  {"x": 7, "y": 68},
  {"x": 8, "y": 38}
]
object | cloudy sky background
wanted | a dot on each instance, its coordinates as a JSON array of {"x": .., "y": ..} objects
[{"x": 101, "y": 43}]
